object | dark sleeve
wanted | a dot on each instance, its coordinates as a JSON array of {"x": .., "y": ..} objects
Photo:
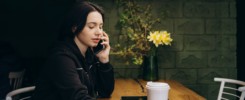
[
  {"x": 65, "y": 79},
  {"x": 105, "y": 80}
]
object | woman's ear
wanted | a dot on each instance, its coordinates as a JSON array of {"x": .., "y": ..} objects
[{"x": 74, "y": 28}]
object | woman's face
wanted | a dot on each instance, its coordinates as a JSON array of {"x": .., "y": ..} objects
[{"x": 92, "y": 31}]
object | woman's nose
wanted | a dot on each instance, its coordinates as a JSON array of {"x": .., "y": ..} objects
[{"x": 99, "y": 31}]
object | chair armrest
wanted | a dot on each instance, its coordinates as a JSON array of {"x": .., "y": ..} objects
[{"x": 19, "y": 91}]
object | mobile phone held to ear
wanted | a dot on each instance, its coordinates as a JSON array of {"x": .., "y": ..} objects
[{"x": 99, "y": 47}]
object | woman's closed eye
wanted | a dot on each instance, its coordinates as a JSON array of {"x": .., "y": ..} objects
[
  {"x": 94, "y": 25},
  {"x": 91, "y": 27}
]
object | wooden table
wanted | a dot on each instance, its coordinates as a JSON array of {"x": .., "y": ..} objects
[{"x": 130, "y": 87}]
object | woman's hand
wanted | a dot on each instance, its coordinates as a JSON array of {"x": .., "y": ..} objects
[{"x": 104, "y": 54}]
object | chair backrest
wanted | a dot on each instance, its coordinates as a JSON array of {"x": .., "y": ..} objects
[
  {"x": 16, "y": 78},
  {"x": 17, "y": 92},
  {"x": 229, "y": 88}
]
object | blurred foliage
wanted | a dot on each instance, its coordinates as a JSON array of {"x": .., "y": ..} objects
[{"x": 135, "y": 23}]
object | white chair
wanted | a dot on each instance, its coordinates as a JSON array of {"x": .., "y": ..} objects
[
  {"x": 227, "y": 90},
  {"x": 17, "y": 92},
  {"x": 16, "y": 78},
  {"x": 242, "y": 89}
]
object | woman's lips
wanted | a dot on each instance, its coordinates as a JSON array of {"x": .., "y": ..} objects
[{"x": 96, "y": 40}]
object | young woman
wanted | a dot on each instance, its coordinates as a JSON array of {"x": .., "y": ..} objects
[{"x": 73, "y": 71}]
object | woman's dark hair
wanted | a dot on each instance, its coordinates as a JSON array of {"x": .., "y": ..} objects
[{"x": 77, "y": 17}]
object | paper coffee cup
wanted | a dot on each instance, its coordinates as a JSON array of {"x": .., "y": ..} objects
[{"x": 157, "y": 91}]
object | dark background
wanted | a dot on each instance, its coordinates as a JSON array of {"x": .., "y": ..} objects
[
  {"x": 31, "y": 27},
  {"x": 240, "y": 40},
  {"x": 32, "y": 24}
]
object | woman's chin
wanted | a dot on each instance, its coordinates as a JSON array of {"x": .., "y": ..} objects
[{"x": 94, "y": 45}]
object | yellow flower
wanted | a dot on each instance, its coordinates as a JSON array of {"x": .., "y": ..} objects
[
  {"x": 151, "y": 37},
  {"x": 165, "y": 38},
  {"x": 160, "y": 38},
  {"x": 155, "y": 37}
]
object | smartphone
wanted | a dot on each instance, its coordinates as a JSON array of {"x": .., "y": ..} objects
[
  {"x": 134, "y": 98},
  {"x": 99, "y": 47}
]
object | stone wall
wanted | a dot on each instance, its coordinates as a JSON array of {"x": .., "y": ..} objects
[{"x": 204, "y": 47}]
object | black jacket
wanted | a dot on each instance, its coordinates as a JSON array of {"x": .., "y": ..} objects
[{"x": 67, "y": 75}]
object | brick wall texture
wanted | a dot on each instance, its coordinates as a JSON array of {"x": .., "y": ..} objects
[{"x": 204, "y": 46}]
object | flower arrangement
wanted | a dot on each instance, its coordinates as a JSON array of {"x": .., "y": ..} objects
[
  {"x": 136, "y": 23},
  {"x": 157, "y": 38},
  {"x": 160, "y": 38}
]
